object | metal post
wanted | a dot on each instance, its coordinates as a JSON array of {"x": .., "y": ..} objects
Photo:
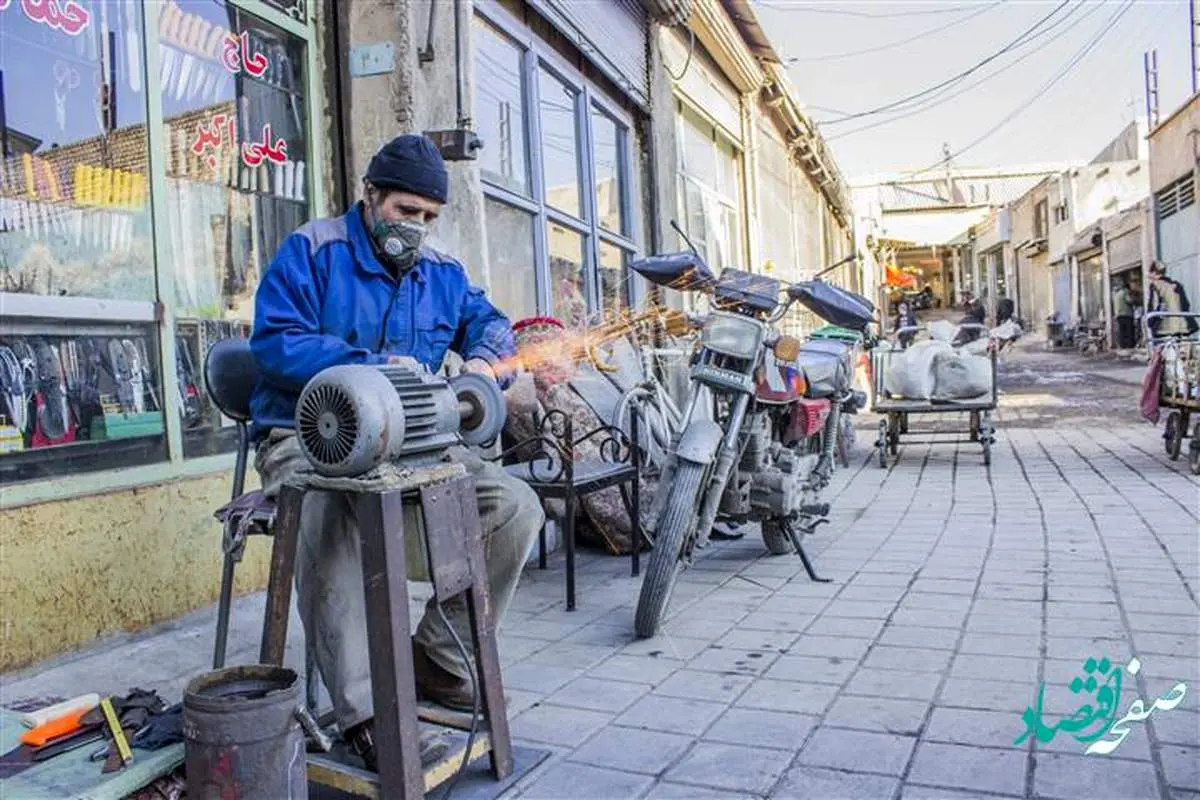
[
  {"x": 1194, "y": 15},
  {"x": 635, "y": 517},
  {"x": 568, "y": 455}
]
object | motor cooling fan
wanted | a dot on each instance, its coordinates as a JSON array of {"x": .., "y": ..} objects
[{"x": 351, "y": 419}]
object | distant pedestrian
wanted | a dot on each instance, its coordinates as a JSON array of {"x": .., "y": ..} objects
[
  {"x": 1167, "y": 294},
  {"x": 1123, "y": 312},
  {"x": 906, "y": 318},
  {"x": 1005, "y": 310}
]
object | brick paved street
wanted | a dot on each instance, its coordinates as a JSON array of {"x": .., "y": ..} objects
[{"x": 956, "y": 592}]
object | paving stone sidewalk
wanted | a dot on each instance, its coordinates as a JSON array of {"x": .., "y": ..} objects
[{"x": 956, "y": 592}]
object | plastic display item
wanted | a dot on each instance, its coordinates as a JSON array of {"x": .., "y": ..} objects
[{"x": 11, "y": 440}]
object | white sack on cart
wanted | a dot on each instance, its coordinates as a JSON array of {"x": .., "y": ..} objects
[
  {"x": 1006, "y": 331},
  {"x": 976, "y": 347},
  {"x": 910, "y": 375},
  {"x": 961, "y": 376},
  {"x": 943, "y": 331}
]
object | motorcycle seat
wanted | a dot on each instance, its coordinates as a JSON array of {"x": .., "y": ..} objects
[{"x": 826, "y": 373}]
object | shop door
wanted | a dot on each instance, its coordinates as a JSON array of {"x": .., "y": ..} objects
[{"x": 1061, "y": 289}]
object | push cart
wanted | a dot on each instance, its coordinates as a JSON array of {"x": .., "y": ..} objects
[
  {"x": 1177, "y": 357},
  {"x": 894, "y": 427}
]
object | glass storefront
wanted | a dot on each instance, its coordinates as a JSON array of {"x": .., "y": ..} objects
[
  {"x": 138, "y": 209},
  {"x": 561, "y": 224}
]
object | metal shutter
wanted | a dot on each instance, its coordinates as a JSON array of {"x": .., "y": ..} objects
[{"x": 611, "y": 34}]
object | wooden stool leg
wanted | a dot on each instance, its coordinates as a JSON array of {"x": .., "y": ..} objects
[
  {"x": 283, "y": 569},
  {"x": 393, "y": 683},
  {"x": 483, "y": 640}
]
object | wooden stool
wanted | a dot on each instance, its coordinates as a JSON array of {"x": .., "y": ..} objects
[{"x": 453, "y": 549}]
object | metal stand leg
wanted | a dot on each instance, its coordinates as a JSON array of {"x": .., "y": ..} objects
[
  {"x": 393, "y": 684},
  {"x": 794, "y": 535},
  {"x": 312, "y": 692},
  {"x": 223, "y": 608},
  {"x": 635, "y": 516},
  {"x": 569, "y": 535},
  {"x": 568, "y": 455},
  {"x": 283, "y": 568},
  {"x": 542, "y": 547},
  {"x": 483, "y": 641}
]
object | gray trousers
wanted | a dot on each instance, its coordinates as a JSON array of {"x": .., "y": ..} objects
[{"x": 329, "y": 577}]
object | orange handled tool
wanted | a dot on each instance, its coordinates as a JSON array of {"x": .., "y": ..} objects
[{"x": 53, "y": 729}]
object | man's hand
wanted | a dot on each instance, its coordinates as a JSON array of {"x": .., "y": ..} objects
[
  {"x": 404, "y": 361},
  {"x": 480, "y": 366}
]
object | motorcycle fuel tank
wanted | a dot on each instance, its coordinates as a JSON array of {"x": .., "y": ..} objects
[{"x": 778, "y": 383}]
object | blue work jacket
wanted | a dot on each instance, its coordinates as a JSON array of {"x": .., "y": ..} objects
[{"x": 327, "y": 300}]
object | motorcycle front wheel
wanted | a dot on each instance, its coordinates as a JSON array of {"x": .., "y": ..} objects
[{"x": 678, "y": 518}]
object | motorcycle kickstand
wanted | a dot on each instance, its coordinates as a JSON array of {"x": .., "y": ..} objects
[{"x": 794, "y": 535}]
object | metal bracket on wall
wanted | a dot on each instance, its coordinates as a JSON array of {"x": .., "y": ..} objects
[{"x": 372, "y": 59}]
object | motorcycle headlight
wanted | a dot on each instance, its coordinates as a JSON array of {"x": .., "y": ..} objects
[{"x": 732, "y": 335}]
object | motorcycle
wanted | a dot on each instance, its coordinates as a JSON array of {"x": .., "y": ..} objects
[{"x": 758, "y": 434}]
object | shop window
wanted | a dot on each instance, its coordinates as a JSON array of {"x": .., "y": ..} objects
[
  {"x": 237, "y": 180},
  {"x": 775, "y": 208},
  {"x": 500, "y": 109},
  {"x": 560, "y": 149},
  {"x": 614, "y": 280},
  {"x": 606, "y": 136},
  {"x": 709, "y": 191},
  {"x": 566, "y": 274},
  {"x": 573, "y": 203},
  {"x": 75, "y": 219},
  {"x": 76, "y": 393},
  {"x": 511, "y": 259}
]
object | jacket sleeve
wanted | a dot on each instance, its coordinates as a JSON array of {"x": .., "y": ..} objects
[
  {"x": 287, "y": 341},
  {"x": 484, "y": 332}
]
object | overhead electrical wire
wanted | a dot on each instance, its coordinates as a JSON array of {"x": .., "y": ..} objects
[
  {"x": 784, "y": 5},
  {"x": 898, "y": 42},
  {"x": 1045, "y": 87},
  {"x": 1017, "y": 42},
  {"x": 944, "y": 97}
]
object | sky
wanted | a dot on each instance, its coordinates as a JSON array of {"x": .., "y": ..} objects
[{"x": 1062, "y": 95}]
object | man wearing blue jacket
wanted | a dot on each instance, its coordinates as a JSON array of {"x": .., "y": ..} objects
[{"x": 364, "y": 289}]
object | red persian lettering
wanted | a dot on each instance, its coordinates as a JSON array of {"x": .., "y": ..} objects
[
  {"x": 254, "y": 153},
  {"x": 231, "y": 53},
  {"x": 236, "y": 56},
  {"x": 71, "y": 19}
]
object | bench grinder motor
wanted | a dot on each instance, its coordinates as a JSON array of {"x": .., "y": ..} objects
[{"x": 352, "y": 418}]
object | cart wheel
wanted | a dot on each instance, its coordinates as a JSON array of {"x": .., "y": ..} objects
[
  {"x": 974, "y": 426},
  {"x": 881, "y": 443},
  {"x": 1173, "y": 435},
  {"x": 1194, "y": 451}
]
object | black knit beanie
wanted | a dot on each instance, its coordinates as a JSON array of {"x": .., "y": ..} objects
[{"x": 410, "y": 163}]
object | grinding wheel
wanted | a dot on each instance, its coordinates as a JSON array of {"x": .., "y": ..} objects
[{"x": 482, "y": 405}]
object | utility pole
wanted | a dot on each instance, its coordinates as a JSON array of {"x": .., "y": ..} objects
[
  {"x": 1194, "y": 12},
  {"x": 1150, "y": 66},
  {"x": 946, "y": 156}
]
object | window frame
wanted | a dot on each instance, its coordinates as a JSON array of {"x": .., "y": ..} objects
[
  {"x": 163, "y": 310},
  {"x": 536, "y": 55},
  {"x": 737, "y": 200}
]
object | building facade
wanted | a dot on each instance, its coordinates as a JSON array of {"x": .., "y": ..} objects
[
  {"x": 186, "y": 139},
  {"x": 1174, "y": 175},
  {"x": 1061, "y": 230}
]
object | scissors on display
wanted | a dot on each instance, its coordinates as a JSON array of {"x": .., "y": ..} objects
[{"x": 66, "y": 75}]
